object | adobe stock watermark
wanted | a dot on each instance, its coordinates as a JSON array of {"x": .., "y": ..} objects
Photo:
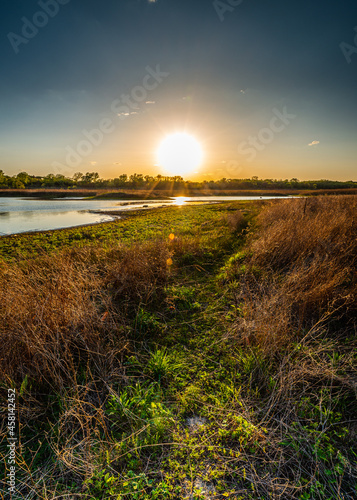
[
  {"x": 12, "y": 441},
  {"x": 227, "y": 6},
  {"x": 348, "y": 50},
  {"x": 31, "y": 27},
  {"x": 231, "y": 169},
  {"x": 277, "y": 124},
  {"x": 127, "y": 104}
]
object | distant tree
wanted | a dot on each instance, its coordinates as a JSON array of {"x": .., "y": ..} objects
[
  {"x": 137, "y": 180},
  {"x": 77, "y": 176},
  {"x": 24, "y": 178},
  {"x": 15, "y": 183},
  {"x": 90, "y": 177},
  {"x": 148, "y": 179}
]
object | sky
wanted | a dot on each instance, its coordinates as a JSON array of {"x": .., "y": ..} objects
[{"x": 267, "y": 89}]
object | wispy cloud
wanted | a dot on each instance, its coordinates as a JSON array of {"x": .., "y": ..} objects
[
  {"x": 314, "y": 143},
  {"x": 128, "y": 114}
]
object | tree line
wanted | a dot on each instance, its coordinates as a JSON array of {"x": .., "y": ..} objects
[{"x": 92, "y": 180}]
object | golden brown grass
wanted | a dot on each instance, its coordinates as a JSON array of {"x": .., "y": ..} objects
[
  {"x": 60, "y": 310},
  {"x": 235, "y": 220},
  {"x": 302, "y": 230},
  {"x": 302, "y": 268}
]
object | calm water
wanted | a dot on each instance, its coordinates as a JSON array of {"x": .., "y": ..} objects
[{"x": 18, "y": 215}]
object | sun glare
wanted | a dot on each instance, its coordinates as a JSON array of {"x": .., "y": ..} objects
[
  {"x": 179, "y": 154},
  {"x": 180, "y": 200}
]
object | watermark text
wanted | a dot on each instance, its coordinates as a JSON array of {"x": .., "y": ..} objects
[
  {"x": 222, "y": 8},
  {"x": 31, "y": 27},
  {"x": 265, "y": 136},
  {"x": 126, "y": 105},
  {"x": 12, "y": 441},
  {"x": 349, "y": 50}
]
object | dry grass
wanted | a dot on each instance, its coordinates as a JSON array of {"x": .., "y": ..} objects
[
  {"x": 302, "y": 269},
  {"x": 306, "y": 230},
  {"x": 61, "y": 310},
  {"x": 236, "y": 220}
]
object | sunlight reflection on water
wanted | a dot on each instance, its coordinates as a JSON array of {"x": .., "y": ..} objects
[{"x": 180, "y": 200}]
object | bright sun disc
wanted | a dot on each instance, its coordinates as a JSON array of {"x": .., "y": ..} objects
[{"x": 179, "y": 154}]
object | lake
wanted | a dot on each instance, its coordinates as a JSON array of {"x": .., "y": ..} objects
[{"x": 19, "y": 215}]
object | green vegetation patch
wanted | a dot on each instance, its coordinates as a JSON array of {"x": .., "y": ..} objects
[{"x": 136, "y": 226}]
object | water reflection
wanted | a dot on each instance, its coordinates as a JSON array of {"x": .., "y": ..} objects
[
  {"x": 19, "y": 222},
  {"x": 28, "y": 214},
  {"x": 180, "y": 200}
]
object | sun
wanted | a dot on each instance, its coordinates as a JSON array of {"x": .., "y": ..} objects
[{"x": 179, "y": 154}]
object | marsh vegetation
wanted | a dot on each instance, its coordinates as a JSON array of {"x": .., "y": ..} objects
[{"x": 185, "y": 353}]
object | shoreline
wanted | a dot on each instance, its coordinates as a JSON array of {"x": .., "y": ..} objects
[
  {"x": 149, "y": 195},
  {"x": 120, "y": 215},
  {"x": 117, "y": 216}
]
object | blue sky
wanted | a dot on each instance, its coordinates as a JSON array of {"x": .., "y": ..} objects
[{"x": 265, "y": 87}]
